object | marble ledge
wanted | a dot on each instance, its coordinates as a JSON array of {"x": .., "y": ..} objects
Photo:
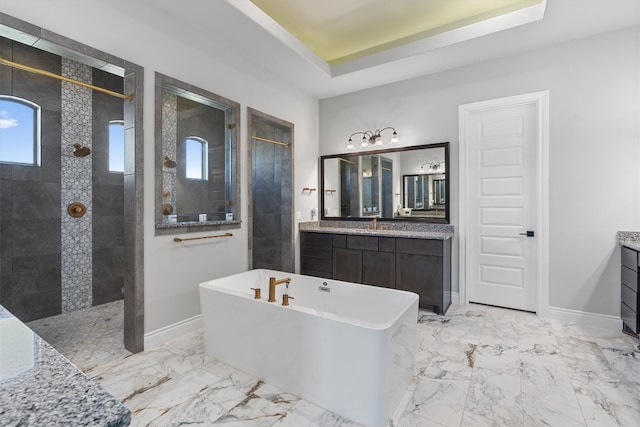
[
  {"x": 409, "y": 230},
  {"x": 630, "y": 239},
  {"x": 40, "y": 387}
]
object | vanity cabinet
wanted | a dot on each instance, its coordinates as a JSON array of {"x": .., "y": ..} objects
[
  {"x": 629, "y": 290},
  {"x": 418, "y": 265}
]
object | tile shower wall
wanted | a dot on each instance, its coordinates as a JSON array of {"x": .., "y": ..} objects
[
  {"x": 108, "y": 248},
  {"x": 76, "y": 233},
  {"x": 47, "y": 259},
  {"x": 272, "y": 192},
  {"x": 30, "y": 239}
]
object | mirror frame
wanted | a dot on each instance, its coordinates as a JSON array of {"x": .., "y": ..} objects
[
  {"x": 195, "y": 93},
  {"x": 445, "y": 220}
]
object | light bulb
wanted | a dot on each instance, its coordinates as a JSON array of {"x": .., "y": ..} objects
[{"x": 394, "y": 138}]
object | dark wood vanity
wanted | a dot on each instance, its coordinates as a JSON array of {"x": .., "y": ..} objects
[
  {"x": 629, "y": 290},
  {"x": 420, "y": 265}
]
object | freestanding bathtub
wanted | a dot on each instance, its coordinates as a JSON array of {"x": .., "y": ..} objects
[{"x": 348, "y": 348}]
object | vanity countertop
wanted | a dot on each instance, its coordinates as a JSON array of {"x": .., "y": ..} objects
[
  {"x": 40, "y": 387},
  {"x": 436, "y": 231},
  {"x": 630, "y": 239}
]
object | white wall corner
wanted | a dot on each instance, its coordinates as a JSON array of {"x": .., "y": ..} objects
[{"x": 160, "y": 336}]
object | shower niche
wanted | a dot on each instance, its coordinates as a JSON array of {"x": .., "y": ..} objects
[{"x": 197, "y": 143}]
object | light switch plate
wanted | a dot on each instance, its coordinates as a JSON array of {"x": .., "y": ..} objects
[{"x": 298, "y": 215}]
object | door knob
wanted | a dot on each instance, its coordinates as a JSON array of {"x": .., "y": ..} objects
[{"x": 529, "y": 233}]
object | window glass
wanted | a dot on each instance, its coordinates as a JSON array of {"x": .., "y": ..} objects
[
  {"x": 196, "y": 156},
  {"x": 116, "y": 146},
  {"x": 19, "y": 131}
]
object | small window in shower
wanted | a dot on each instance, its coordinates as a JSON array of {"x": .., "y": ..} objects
[
  {"x": 196, "y": 157},
  {"x": 19, "y": 131},
  {"x": 116, "y": 146}
]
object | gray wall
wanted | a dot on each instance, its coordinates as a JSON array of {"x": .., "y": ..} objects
[{"x": 594, "y": 89}]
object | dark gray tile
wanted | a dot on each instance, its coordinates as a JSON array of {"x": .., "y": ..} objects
[
  {"x": 35, "y": 306},
  {"x": 35, "y": 200},
  {"x": 108, "y": 200},
  {"x": 51, "y": 132},
  {"x": 108, "y": 262},
  {"x": 31, "y": 274},
  {"x": 35, "y": 237},
  {"x": 107, "y": 290},
  {"x": 108, "y": 231}
]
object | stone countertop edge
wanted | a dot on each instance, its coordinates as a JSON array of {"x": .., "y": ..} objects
[
  {"x": 315, "y": 227},
  {"x": 52, "y": 391},
  {"x": 630, "y": 239}
]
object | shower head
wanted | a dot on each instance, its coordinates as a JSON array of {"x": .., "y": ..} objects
[
  {"x": 168, "y": 163},
  {"x": 80, "y": 151}
]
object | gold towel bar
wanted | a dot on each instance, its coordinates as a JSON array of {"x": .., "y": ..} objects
[
  {"x": 64, "y": 79},
  {"x": 178, "y": 239},
  {"x": 271, "y": 141}
]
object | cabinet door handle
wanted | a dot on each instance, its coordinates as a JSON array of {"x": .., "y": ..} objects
[{"x": 529, "y": 233}]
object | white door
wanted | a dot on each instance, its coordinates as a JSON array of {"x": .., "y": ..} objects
[{"x": 501, "y": 144}]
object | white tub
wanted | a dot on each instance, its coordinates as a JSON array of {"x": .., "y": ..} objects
[{"x": 350, "y": 350}]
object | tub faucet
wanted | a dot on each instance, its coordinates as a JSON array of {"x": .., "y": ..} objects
[{"x": 272, "y": 286}]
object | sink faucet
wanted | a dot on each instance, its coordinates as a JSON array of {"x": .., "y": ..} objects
[
  {"x": 375, "y": 223},
  {"x": 272, "y": 286}
]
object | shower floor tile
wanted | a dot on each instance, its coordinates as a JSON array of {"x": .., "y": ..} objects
[{"x": 89, "y": 337}]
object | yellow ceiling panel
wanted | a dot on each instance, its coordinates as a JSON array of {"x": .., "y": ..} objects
[{"x": 342, "y": 30}]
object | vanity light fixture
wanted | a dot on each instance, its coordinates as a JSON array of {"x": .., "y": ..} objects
[
  {"x": 372, "y": 138},
  {"x": 433, "y": 166}
]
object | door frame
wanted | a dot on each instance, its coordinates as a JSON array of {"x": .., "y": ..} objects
[{"x": 540, "y": 100}]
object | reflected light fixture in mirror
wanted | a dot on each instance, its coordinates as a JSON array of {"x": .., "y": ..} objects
[
  {"x": 433, "y": 167},
  {"x": 372, "y": 138}
]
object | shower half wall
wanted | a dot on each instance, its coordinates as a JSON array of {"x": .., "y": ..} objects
[{"x": 50, "y": 262}]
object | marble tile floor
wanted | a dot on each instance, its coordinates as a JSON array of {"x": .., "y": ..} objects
[{"x": 476, "y": 366}]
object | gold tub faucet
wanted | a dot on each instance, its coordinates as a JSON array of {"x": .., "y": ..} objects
[{"x": 272, "y": 286}]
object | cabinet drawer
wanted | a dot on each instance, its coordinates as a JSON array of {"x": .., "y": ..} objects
[
  {"x": 367, "y": 243},
  {"x": 386, "y": 244},
  {"x": 339, "y": 241},
  {"x": 630, "y": 258},
  {"x": 629, "y": 278},
  {"x": 629, "y": 317},
  {"x": 629, "y": 297},
  {"x": 315, "y": 239},
  {"x": 419, "y": 246}
]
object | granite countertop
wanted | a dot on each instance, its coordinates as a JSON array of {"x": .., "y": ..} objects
[
  {"x": 40, "y": 387},
  {"x": 421, "y": 231},
  {"x": 630, "y": 239}
]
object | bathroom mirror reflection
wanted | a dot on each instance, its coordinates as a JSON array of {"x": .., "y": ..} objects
[
  {"x": 196, "y": 158},
  {"x": 408, "y": 183}
]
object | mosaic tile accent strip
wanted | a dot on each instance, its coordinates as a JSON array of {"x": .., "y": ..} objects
[
  {"x": 76, "y": 187},
  {"x": 169, "y": 138}
]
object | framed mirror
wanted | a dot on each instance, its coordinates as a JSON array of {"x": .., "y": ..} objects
[
  {"x": 407, "y": 183},
  {"x": 197, "y": 147}
]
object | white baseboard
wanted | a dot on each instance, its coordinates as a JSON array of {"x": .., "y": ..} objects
[
  {"x": 160, "y": 336},
  {"x": 455, "y": 298},
  {"x": 613, "y": 323}
]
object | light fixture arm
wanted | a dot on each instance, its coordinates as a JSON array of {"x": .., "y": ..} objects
[{"x": 372, "y": 138}]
